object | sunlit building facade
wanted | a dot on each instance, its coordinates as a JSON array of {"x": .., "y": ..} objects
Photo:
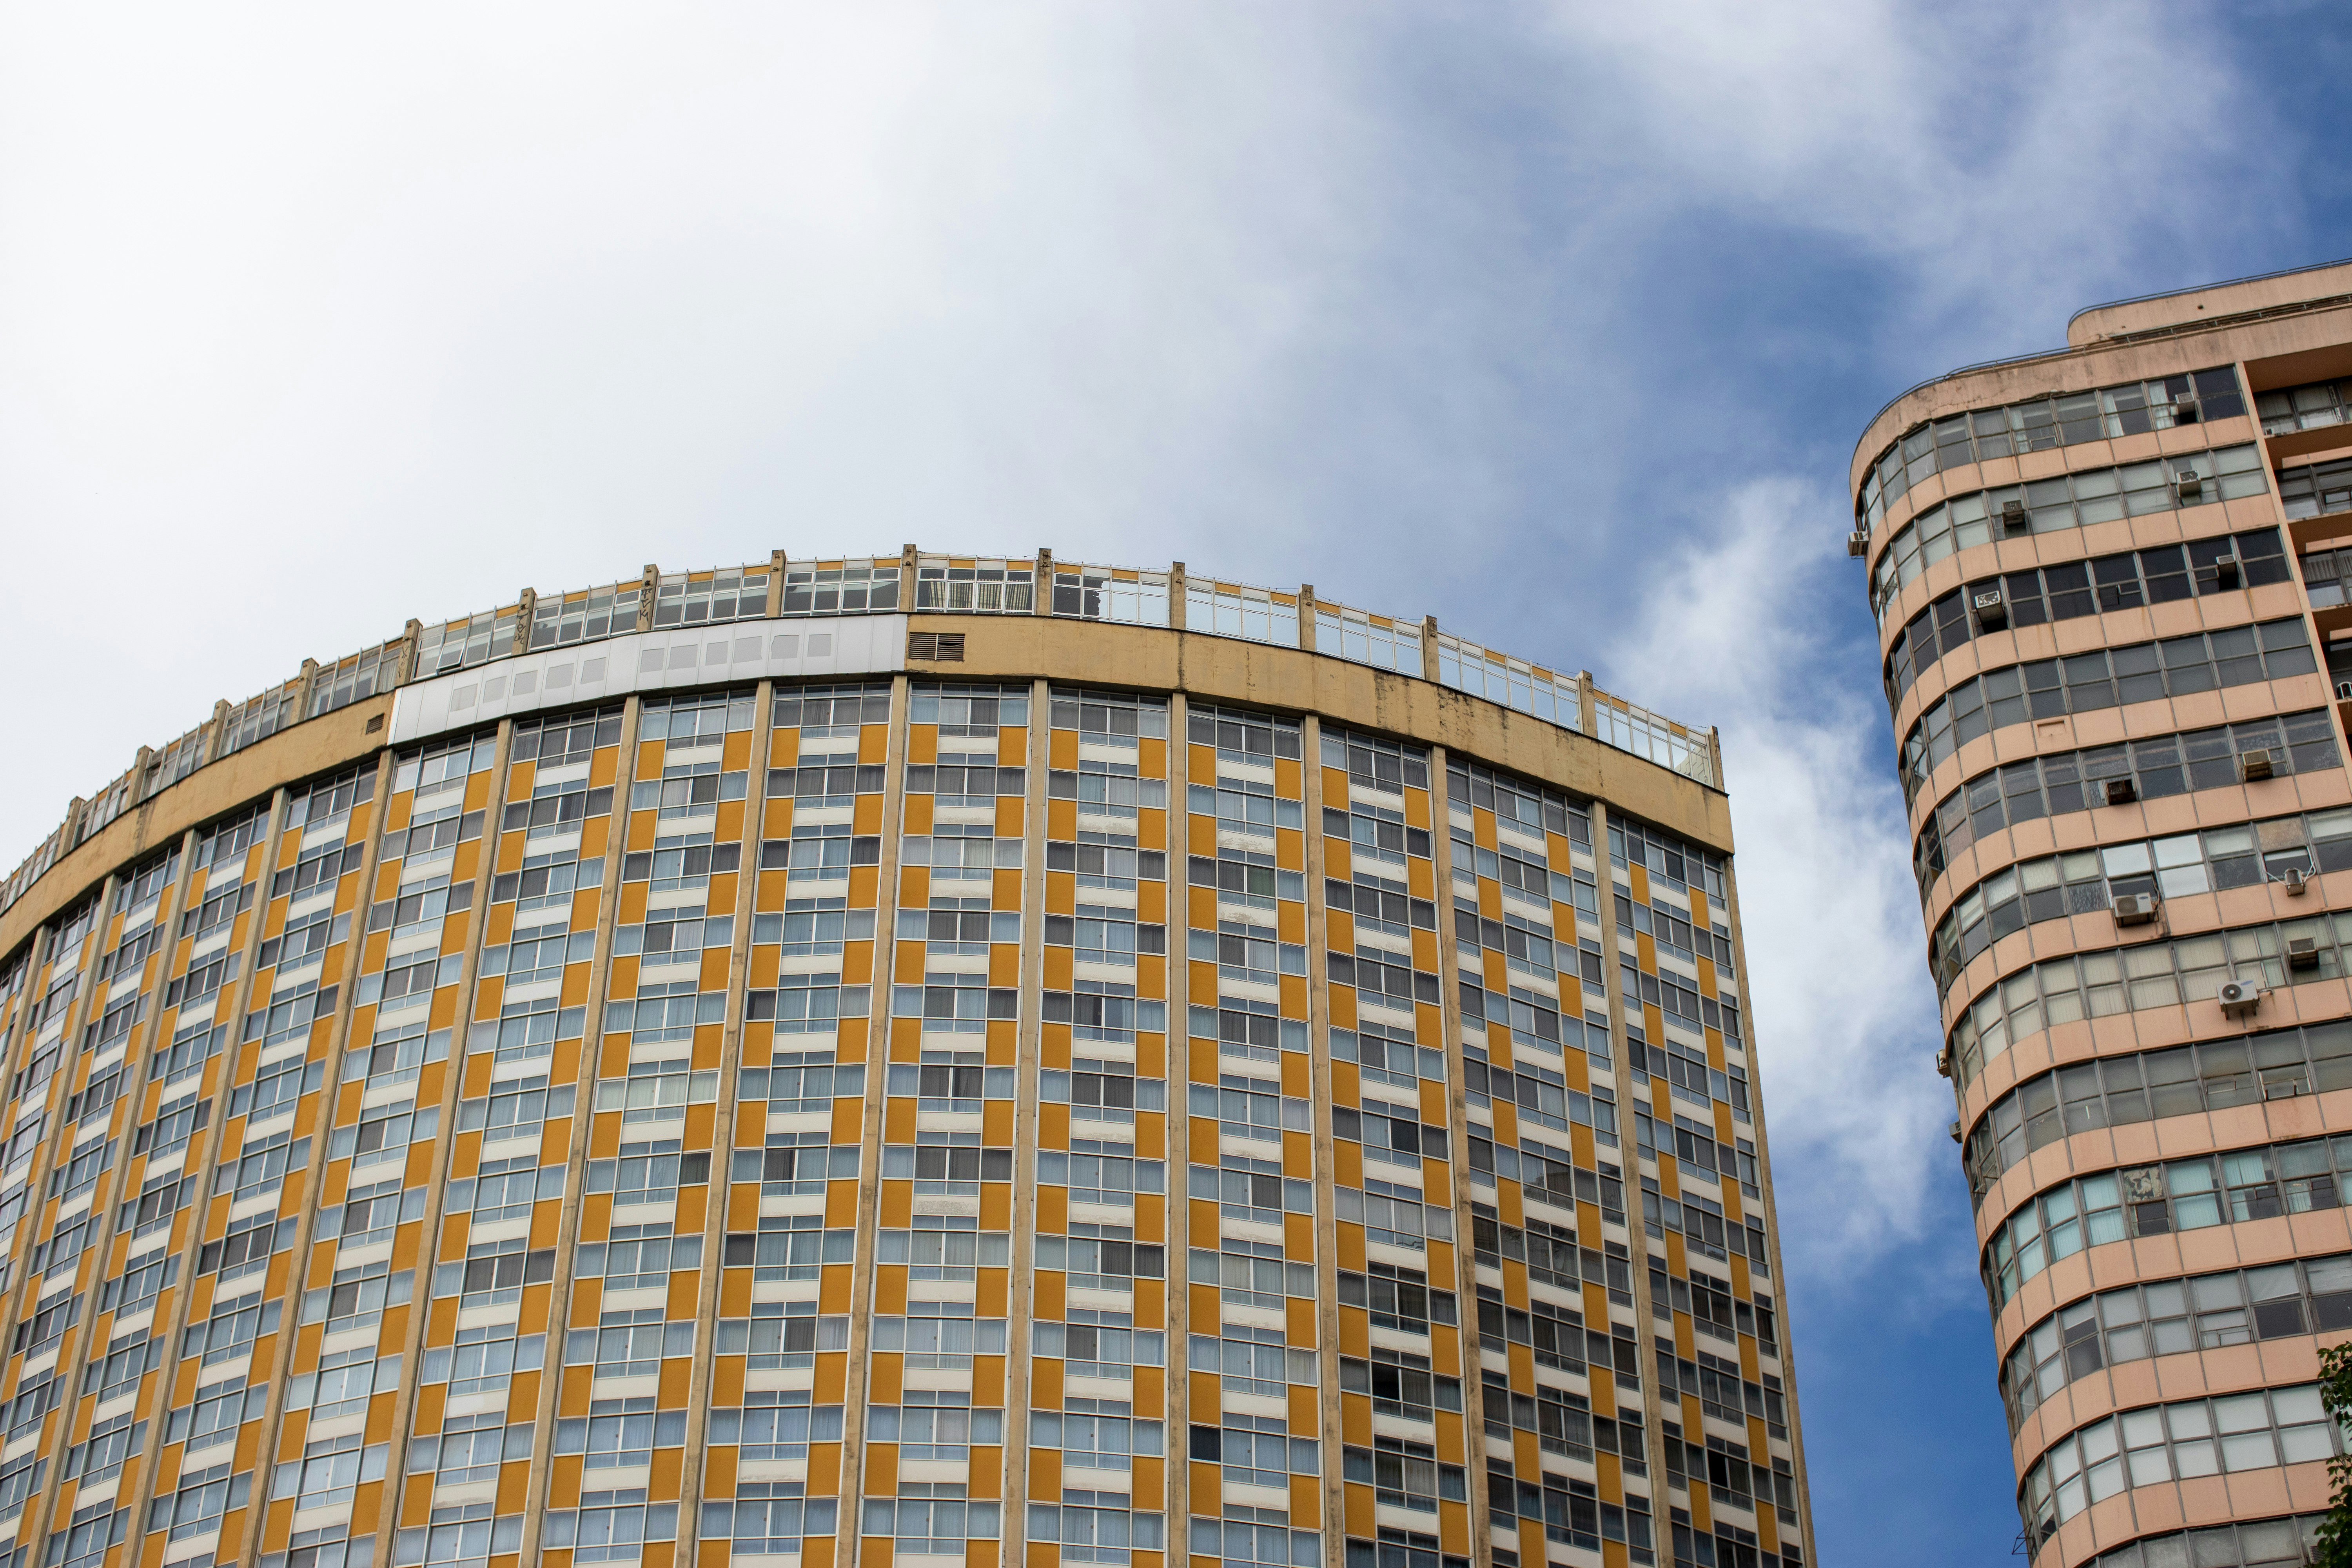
[
  {"x": 910, "y": 1061},
  {"x": 2106, "y": 582}
]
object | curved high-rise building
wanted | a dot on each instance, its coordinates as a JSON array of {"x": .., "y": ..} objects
[
  {"x": 923, "y": 1062},
  {"x": 2104, "y": 580}
]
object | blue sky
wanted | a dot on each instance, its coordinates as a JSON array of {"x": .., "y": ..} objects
[{"x": 1557, "y": 322}]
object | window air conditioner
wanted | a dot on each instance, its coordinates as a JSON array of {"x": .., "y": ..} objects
[
  {"x": 2013, "y": 513},
  {"x": 2239, "y": 997},
  {"x": 1857, "y": 543},
  {"x": 2254, "y": 764},
  {"x": 2135, "y": 909},
  {"x": 2295, "y": 881},
  {"x": 2225, "y": 571},
  {"x": 2121, "y": 792},
  {"x": 2302, "y": 953},
  {"x": 1944, "y": 1062},
  {"x": 2185, "y": 410},
  {"x": 2187, "y": 485},
  {"x": 1992, "y": 610},
  {"x": 1955, "y": 1131}
]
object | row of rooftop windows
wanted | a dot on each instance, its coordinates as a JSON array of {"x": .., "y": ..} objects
[{"x": 941, "y": 583}]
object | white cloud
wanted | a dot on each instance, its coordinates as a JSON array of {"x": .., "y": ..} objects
[
  {"x": 1845, "y": 1017},
  {"x": 313, "y": 322}
]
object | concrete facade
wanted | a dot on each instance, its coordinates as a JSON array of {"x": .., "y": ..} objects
[{"x": 2105, "y": 588}]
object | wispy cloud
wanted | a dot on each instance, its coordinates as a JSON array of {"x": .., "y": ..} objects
[
  {"x": 335, "y": 320},
  {"x": 1843, "y": 1014}
]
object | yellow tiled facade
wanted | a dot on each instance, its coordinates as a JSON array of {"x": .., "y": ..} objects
[{"x": 891, "y": 1061}]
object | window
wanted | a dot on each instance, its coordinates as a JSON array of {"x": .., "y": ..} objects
[
  {"x": 494, "y": 1271},
  {"x": 982, "y": 585},
  {"x": 1228, "y": 610},
  {"x": 691, "y": 723},
  {"x": 789, "y": 1334},
  {"x": 196, "y": 1508},
  {"x": 619, "y": 1434},
  {"x": 647, "y": 1172},
  {"x": 799, "y": 1080},
  {"x": 682, "y": 861},
  {"x": 465, "y": 643},
  {"x": 2103, "y": 678},
  {"x": 1466, "y": 667},
  {"x": 1107, "y": 1092},
  {"x": 1401, "y": 1383},
  {"x": 944, "y": 1247},
  {"x": 611, "y": 1526},
  {"x": 1240, "y": 736},
  {"x": 934, "y": 1425},
  {"x": 970, "y": 710},
  {"x": 710, "y": 598},
  {"x": 484, "y": 1359},
  {"x": 2157, "y": 1200},
  {"x": 1101, "y": 1533},
  {"x": 926, "y": 1525},
  {"x": 2157, "y": 765},
  {"x": 1251, "y": 1273},
  {"x": 1398, "y": 1299},
  {"x": 1242, "y": 1544},
  {"x": 2316, "y": 488},
  {"x": 947, "y": 1163},
  {"x": 562, "y": 619},
  {"x": 1406, "y": 1474},
  {"x": 2149, "y": 974},
  {"x": 2043, "y": 423},
  {"x": 2169, "y": 1317},
  {"x": 1104, "y": 1174},
  {"x": 854, "y": 588},
  {"x": 2063, "y": 500},
  {"x": 2070, "y": 590},
  {"x": 1111, "y": 594},
  {"x": 2154, "y": 1445},
  {"x": 1254, "y": 1190},
  {"x": 1100, "y": 1344},
  {"x": 100, "y": 1526},
  {"x": 2081, "y": 882},
  {"x": 1107, "y": 789},
  {"x": 1366, "y": 638},
  {"x": 780, "y": 1425},
  {"x": 940, "y": 1342},
  {"x": 758, "y": 1525}
]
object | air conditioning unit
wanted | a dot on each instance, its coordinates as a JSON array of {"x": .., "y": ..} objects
[
  {"x": 2012, "y": 514},
  {"x": 2239, "y": 997},
  {"x": 2186, "y": 485},
  {"x": 1992, "y": 610},
  {"x": 2254, "y": 764},
  {"x": 2121, "y": 792},
  {"x": 2225, "y": 571},
  {"x": 2135, "y": 909},
  {"x": 1955, "y": 1131},
  {"x": 2185, "y": 411},
  {"x": 1944, "y": 1062},
  {"x": 2302, "y": 952},
  {"x": 1857, "y": 543},
  {"x": 2295, "y": 881}
]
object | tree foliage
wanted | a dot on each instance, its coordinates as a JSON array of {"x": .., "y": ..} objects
[{"x": 2335, "y": 1393}]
